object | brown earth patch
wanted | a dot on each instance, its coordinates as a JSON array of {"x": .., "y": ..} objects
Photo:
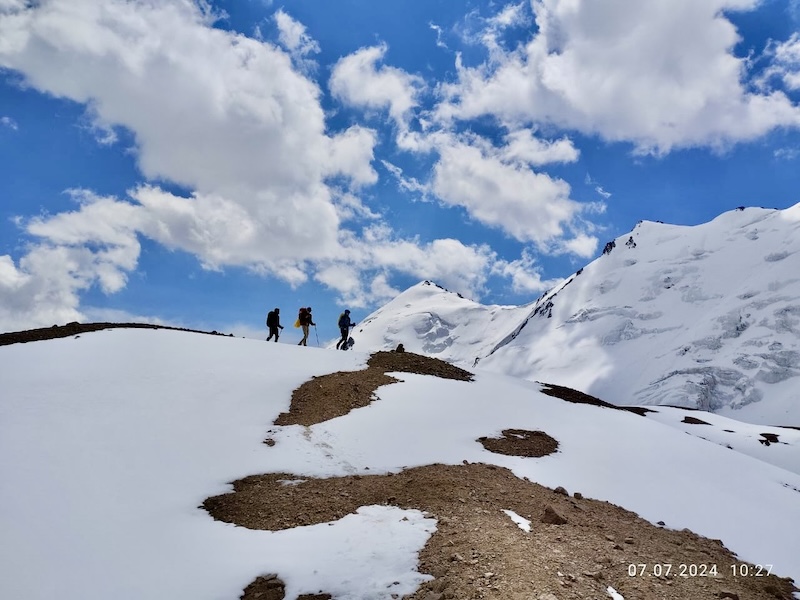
[
  {"x": 408, "y": 362},
  {"x": 75, "y": 328},
  {"x": 694, "y": 421},
  {"x": 570, "y": 395},
  {"x": 271, "y": 587},
  {"x": 478, "y": 552},
  {"x": 769, "y": 438},
  {"x": 521, "y": 442},
  {"x": 329, "y": 396}
]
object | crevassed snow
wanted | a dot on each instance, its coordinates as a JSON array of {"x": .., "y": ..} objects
[
  {"x": 705, "y": 317},
  {"x": 109, "y": 442}
]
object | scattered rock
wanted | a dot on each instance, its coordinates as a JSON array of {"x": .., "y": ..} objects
[
  {"x": 266, "y": 587},
  {"x": 561, "y": 490},
  {"x": 769, "y": 438},
  {"x": 552, "y": 517},
  {"x": 727, "y": 594},
  {"x": 577, "y": 496},
  {"x": 694, "y": 421}
]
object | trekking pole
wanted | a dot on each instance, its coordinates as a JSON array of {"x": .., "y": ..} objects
[{"x": 316, "y": 334}]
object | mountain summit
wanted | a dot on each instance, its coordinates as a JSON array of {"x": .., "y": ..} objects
[{"x": 706, "y": 317}]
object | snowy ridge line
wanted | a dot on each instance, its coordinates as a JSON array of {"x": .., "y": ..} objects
[
  {"x": 540, "y": 305},
  {"x": 75, "y": 328}
]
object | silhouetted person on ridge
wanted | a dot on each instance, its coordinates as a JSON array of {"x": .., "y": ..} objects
[
  {"x": 274, "y": 323},
  {"x": 305, "y": 319},
  {"x": 344, "y": 327}
]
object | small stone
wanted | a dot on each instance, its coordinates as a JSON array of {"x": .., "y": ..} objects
[
  {"x": 456, "y": 557},
  {"x": 433, "y": 596},
  {"x": 661, "y": 524},
  {"x": 578, "y": 496},
  {"x": 727, "y": 594},
  {"x": 610, "y": 538},
  {"x": 561, "y": 490},
  {"x": 547, "y": 597},
  {"x": 629, "y": 540}
]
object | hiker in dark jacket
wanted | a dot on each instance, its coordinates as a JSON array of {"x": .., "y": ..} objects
[
  {"x": 274, "y": 323},
  {"x": 306, "y": 320},
  {"x": 344, "y": 327}
]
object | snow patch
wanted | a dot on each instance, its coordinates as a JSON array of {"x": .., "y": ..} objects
[{"x": 521, "y": 522}]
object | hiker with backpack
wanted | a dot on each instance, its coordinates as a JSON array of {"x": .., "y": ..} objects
[
  {"x": 304, "y": 320},
  {"x": 344, "y": 327},
  {"x": 274, "y": 323}
]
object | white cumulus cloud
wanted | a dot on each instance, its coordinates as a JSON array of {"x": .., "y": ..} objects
[
  {"x": 659, "y": 74},
  {"x": 497, "y": 187},
  {"x": 358, "y": 80},
  {"x": 294, "y": 36}
]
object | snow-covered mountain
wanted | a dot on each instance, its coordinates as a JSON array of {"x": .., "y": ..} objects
[{"x": 704, "y": 317}]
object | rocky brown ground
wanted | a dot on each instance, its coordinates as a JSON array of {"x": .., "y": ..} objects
[
  {"x": 478, "y": 552},
  {"x": 334, "y": 395}
]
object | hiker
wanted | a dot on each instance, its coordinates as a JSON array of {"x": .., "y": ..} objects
[
  {"x": 274, "y": 323},
  {"x": 305, "y": 319},
  {"x": 344, "y": 327}
]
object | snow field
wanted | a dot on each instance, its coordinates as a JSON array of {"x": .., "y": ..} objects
[{"x": 109, "y": 442}]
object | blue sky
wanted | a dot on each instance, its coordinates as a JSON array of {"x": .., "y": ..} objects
[{"x": 197, "y": 163}]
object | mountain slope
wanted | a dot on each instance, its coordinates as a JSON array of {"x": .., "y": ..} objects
[
  {"x": 110, "y": 441},
  {"x": 704, "y": 317}
]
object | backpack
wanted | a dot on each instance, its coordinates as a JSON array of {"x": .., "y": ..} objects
[
  {"x": 342, "y": 320},
  {"x": 301, "y": 315},
  {"x": 271, "y": 320}
]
